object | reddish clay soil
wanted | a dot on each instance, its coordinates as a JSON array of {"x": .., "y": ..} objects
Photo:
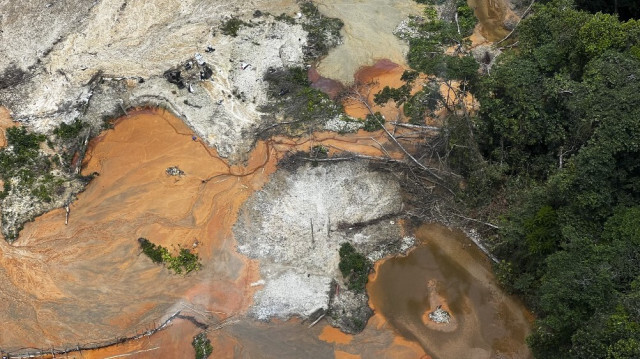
[
  {"x": 5, "y": 122},
  {"x": 87, "y": 282}
]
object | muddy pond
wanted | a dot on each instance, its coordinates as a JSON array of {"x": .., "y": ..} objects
[{"x": 446, "y": 270}]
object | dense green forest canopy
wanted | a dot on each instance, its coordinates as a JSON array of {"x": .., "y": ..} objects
[
  {"x": 557, "y": 142},
  {"x": 626, "y": 9},
  {"x": 561, "y": 113}
]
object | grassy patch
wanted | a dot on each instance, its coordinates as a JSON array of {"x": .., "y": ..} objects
[
  {"x": 354, "y": 267},
  {"x": 185, "y": 262}
]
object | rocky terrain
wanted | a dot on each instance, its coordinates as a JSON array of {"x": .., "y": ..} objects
[
  {"x": 111, "y": 61},
  {"x": 116, "y": 60}
]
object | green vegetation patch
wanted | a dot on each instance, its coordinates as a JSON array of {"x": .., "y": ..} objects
[
  {"x": 22, "y": 158},
  {"x": 324, "y": 32},
  {"x": 423, "y": 103},
  {"x": 552, "y": 158},
  {"x": 398, "y": 95},
  {"x": 416, "y": 107},
  {"x": 28, "y": 171},
  {"x": 559, "y": 129},
  {"x": 67, "y": 132},
  {"x": 432, "y": 36},
  {"x": 202, "y": 345},
  {"x": 373, "y": 122},
  {"x": 293, "y": 98},
  {"x": 231, "y": 26},
  {"x": 355, "y": 267},
  {"x": 185, "y": 262}
]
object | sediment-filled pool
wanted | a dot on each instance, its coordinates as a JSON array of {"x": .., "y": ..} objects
[{"x": 447, "y": 270}]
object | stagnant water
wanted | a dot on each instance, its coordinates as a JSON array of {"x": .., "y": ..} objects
[
  {"x": 367, "y": 34},
  {"x": 447, "y": 270},
  {"x": 368, "y": 31},
  {"x": 491, "y": 15}
]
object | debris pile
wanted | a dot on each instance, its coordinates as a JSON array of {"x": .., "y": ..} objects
[
  {"x": 174, "y": 171},
  {"x": 440, "y": 315}
]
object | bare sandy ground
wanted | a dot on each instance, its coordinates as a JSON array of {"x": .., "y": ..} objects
[{"x": 368, "y": 34}]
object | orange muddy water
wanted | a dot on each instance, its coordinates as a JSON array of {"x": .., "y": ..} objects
[
  {"x": 491, "y": 16},
  {"x": 447, "y": 270},
  {"x": 87, "y": 282}
]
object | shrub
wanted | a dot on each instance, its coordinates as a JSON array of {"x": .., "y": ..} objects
[
  {"x": 324, "y": 32},
  {"x": 373, "y": 122},
  {"x": 231, "y": 26},
  {"x": 202, "y": 345},
  {"x": 152, "y": 251},
  {"x": 354, "y": 267},
  {"x": 185, "y": 262},
  {"x": 67, "y": 132},
  {"x": 399, "y": 95},
  {"x": 292, "y": 97}
]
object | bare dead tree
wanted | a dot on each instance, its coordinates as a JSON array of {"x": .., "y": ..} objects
[{"x": 360, "y": 93}]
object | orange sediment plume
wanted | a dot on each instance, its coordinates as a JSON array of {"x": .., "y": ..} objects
[
  {"x": 334, "y": 335},
  {"x": 370, "y": 80},
  {"x": 491, "y": 16},
  {"x": 97, "y": 256}
]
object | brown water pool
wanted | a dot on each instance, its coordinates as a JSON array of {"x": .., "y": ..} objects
[{"x": 447, "y": 270}]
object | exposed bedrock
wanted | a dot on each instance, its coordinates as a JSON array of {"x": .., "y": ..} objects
[{"x": 116, "y": 53}]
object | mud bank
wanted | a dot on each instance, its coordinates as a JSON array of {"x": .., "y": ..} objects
[
  {"x": 86, "y": 282},
  {"x": 447, "y": 270}
]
